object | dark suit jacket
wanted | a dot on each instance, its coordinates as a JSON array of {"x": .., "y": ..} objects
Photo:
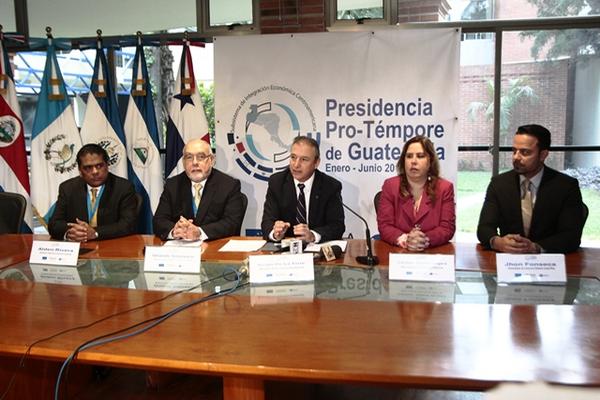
[
  {"x": 395, "y": 215},
  {"x": 325, "y": 213},
  {"x": 221, "y": 210},
  {"x": 116, "y": 211},
  {"x": 557, "y": 220}
]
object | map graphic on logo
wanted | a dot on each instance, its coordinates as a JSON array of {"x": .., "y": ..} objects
[{"x": 263, "y": 127}]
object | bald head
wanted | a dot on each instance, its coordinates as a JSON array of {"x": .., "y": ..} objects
[{"x": 198, "y": 160}]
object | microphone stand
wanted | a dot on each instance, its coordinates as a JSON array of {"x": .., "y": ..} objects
[{"x": 369, "y": 259}]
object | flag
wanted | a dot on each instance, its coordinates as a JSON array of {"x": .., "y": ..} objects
[
  {"x": 102, "y": 121},
  {"x": 187, "y": 119},
  {"x": 14, "y": 176},
  {"x": 55, "y": 139},
  {"x": 141, "y": 131}
]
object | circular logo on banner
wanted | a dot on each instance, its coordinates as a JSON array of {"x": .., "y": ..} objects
[
  {"x": 142, "y": 154},
  {"x": 60, "y": 154},
  {"x": 10, "y": 129},
  {"x": 113, "y": 148},
  {"x": 263, "y": 127}
]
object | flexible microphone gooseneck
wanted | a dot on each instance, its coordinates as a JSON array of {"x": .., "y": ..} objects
[{"x": 369, "y": 259}]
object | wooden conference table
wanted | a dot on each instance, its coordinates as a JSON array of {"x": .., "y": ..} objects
[{"x": 432, "y": 345}]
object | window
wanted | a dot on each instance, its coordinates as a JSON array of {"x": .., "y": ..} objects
[{"x": 222, "y": 16}]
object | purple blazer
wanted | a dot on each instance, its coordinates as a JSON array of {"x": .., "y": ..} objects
[{"x": 395, "y": 213}]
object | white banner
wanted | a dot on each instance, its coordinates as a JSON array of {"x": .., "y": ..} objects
[{"x": 360, "y": 94}]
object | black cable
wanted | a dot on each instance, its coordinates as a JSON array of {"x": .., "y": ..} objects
[
  {"x": 152, "y": 322},
  {"x": 21, "y": 362}
]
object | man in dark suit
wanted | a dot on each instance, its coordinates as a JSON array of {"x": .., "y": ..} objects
[
  {"x": 96, "y": 204},
  {"x": 319, "y": 216},
  {"x": 200, "y": 203},
  {"x": 536, "y": 208}
]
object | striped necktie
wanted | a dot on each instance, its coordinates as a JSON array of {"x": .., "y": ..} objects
[
  {"x": 526, "y": 205},
  {"x": 301, "y": 206}
]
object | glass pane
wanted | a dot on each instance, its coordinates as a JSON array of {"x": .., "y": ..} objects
[
  {"x": 356, "y": 9},
  {"x": 228, "y": 12},
  {"x": 7, "y": 10},
  {"x": 472, "y": 10},
  {"x": 470, "y": 193}
]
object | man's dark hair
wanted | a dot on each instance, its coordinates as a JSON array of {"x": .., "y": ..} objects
[
  {"x": 91, "y": 148},
  {"x": 309, "y": 141},
  {"x": 539, "y": 132}
]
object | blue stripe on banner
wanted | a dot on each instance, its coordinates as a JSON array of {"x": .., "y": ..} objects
[
  {"x": 262, "y": 178},
  {"x": 144, "y": 218},
  {"x": 174, "y": 147},
  {"x": 266, "y": 169},
  {"x": 249, "y": 159},
  {"x": 50, "y": 212},
  {"x": 230, "y": 138},
  {"x": 242, "y": 166}
]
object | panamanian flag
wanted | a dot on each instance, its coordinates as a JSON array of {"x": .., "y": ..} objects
[
  {"x": 102, "y": 121},
  {"x": 14, "y": 176},
  {"x": 187, "y": 119},
  {"x": 141, "y": 131},
  {"x": 55, "y": 139}
]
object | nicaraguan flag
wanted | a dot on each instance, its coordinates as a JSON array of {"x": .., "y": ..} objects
[
  {"x": 55, "y": 139},
  {"x": 14, "y": 176},
  {"x": 187, "y": 119},
  {"x": 141, "y": 131},
  {"x": 102, "y": 121}
]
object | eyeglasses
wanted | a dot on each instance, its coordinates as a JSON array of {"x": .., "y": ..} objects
[
  {"x": 200, "y": 157},
  {"x": 90, "y": 168}
]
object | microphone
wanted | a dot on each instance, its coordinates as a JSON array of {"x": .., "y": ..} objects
[
  {"x": 329, "y": 253},
  {"x": 369, "y": 259}
]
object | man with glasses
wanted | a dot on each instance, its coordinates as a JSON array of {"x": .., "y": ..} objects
[
  {"x": 535, "y": 208},
  {"x": 200, "y": 203},
  {"x": 301, "y": 201},
  {"x": 96, "y": 204}
]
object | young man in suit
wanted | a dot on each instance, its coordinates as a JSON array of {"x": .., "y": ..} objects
[
  {"x": 536, "y": 208},
  {"x": 200, "y": 203},
  {"x": 302, "y": 201},
  {"x": 96, "y": 204}
]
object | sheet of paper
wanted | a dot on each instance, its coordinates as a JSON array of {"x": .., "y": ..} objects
[
  {"x": 243, "y": 245},
  {"x": 315, "y": 247},
  {"x": 183, "y": 243}
]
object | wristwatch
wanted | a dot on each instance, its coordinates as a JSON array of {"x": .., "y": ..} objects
[{"x": 95, "y": 234}]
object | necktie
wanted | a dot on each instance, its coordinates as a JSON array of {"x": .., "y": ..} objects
[
  {"x": 526, "y": 205},
  {"x": 197, "y": 189},
  {"x": 301, "y": 206},
  {"x": 94, "y": 220}
]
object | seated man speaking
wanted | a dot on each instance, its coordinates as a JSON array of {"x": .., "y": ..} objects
[
  {"x": 96, "y": 204},
  {"x": 200, "y": 203},
  {"x": 302, "y": 201},
  {"x": 536, "y": 208}
]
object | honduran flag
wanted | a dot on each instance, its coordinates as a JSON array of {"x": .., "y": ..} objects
[
  {"x": 102, "y": 121},
  {"x": 14, "y": 176},
  {"x": 141, "y": 131},
  {"x": 187, "y": 119},
  {"x": 55, "y": 139}
]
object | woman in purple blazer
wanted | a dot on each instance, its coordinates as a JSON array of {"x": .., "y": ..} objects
[{"x": 416, "y": 208}]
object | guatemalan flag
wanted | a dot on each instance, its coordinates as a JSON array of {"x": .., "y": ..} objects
[
  {"x": 141, "y": 131},
  {"x": 14, "y": 176},
  {"x": 102, "y": 121},
  {"x": 187, "y": 119},
  {"x": 55, "y": 139}
]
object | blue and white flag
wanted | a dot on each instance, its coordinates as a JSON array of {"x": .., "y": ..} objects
[
  {"x": 141, "y": 131},
  {"x": 102, "y": 121},
  {"x": 187, "y": 119},
  {"x": 14, "y": 176},
  {"x": 55, "y": 139}
]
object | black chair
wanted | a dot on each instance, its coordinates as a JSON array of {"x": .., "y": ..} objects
[
  {"x": 244, "y": 207},
  {"x": 586, "y": 212},
  {"x": 12, "y": 211},
  {"x": 376, "y": 201}
]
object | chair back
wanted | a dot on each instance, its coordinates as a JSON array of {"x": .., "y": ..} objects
[
  {"x": 376, "y": 201},
  {"x": 244, "y": 207},
  {"x": 12, "y": 211},
  {"x": 586, "y": 212}
]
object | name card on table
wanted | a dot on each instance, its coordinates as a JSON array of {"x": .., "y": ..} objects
[
  {"x": 422, "y": 267},
  {"x": 531, "y": 268},
  {"x": 54, "y": 253},
  {"x": 172, "y": 259},
  {"x": 64, "y": 275},
  {"x": 281, "y": 268}
]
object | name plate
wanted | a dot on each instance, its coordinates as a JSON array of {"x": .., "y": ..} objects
[
  {"x": 66, "y": 275},
  {"x": 531, "y": 268},
  {"x": 281, "y": 268},
  {"x": 172, "y": 259},
  {"x": 54, "y": 253},
  {"x": 422, "y": 267}
]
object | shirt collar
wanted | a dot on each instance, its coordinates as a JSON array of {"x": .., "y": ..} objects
[
  {"x": 307, "y": 183},
  {"x": 535, "y": 180}
]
